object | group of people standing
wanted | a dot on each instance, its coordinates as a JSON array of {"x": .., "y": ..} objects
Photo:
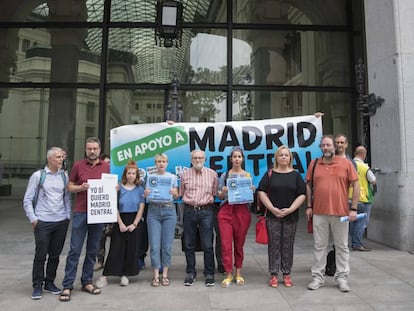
[
  {"x": 47, "y": 203},
  {"x": 282, "y": 191}
]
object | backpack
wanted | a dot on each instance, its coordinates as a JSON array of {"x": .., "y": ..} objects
[
  {"x": 330, "y": 268},
  {"x": 42, "y": 181}
]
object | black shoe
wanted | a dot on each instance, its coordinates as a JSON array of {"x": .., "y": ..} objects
[
  {"x": 220, "y": 269},
  {"x": 190, "y": 279},
  {"x": 210, "y": 280},
  {"x": 37, "y": 292},
  {"x": 52, "y": 288}
]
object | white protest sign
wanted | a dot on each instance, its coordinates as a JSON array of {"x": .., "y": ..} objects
[{"x": 102, "y": 200}]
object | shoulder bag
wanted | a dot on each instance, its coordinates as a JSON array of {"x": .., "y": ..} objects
[{"x": 261, "y": 229}]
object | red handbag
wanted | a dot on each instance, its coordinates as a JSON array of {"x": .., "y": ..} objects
[
  {"x": 310, "y": 225},
  {"x": 261, "y": 230}
]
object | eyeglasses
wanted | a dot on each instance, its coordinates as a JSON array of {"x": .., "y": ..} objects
[{"x": 198, "y": 158}]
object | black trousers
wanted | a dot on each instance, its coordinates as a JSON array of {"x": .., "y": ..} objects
[
  {"x": 49, "y": 240},
  {"x": 217, "y": 244},
  {"x": 102, "y": 245}
]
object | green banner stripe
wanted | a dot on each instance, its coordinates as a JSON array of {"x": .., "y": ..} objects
[{"x": 149, "y": 146}]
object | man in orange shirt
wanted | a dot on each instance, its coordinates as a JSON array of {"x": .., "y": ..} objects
[{"x": 327, "y": 201}]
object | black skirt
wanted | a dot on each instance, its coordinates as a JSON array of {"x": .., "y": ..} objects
[{"x": 125, "y": 249}]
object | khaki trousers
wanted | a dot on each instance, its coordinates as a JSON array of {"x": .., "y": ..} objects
[{"x": 322, "y": 226}]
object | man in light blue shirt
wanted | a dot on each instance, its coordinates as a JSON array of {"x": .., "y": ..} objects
[{"x": 47, "y": 204}]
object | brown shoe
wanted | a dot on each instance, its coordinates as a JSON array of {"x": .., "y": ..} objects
[{"x": 361, "y": 248}]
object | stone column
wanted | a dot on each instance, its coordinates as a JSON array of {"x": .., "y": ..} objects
[
  {"x": 390, "y": 67},
  {"x": 66, "y": 47}
]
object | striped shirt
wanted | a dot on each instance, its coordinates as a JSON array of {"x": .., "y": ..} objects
[{"x": 199, "y": 187}]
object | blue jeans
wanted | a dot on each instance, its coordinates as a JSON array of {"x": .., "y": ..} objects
[
  {"x": 368, "y": 211},
  {"x": 80, "y": 228},
  {"x": 161, "y": 221},
  {"x": 204, "y": 220},
  {"x": 50, "y": 238},
  {"x": 357, "y": 228}
]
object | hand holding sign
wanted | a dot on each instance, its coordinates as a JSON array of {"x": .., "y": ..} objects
[{"x": 240, "y": 190}]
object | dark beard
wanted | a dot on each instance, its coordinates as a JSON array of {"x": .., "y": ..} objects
[{"x": 93, "y": 158}]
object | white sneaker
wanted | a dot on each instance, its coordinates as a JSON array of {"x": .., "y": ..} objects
[
  {"x": 343, "y": 286},
  {"x": 315, "y": 284},
  {"x": 101, "y": 282},
  {"x": 124, "y": 281}
]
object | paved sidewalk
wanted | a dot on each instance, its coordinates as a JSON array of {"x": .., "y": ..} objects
[{"x": 382, "y": 279}]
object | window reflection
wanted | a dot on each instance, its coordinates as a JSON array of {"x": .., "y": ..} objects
[
  {"x": 274, "y": 59},
  {"x": 292, "y": 58},
  {"x": 204, "y": 106},
  {"x": 297, "y": 12},
  {"x": 259, "y": 105},
  {"x": 208, "y": 58}
]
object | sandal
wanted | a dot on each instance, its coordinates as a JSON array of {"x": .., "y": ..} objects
[
  {"x": 165, "y": 281},
  {"x": 91, "y": 289},
  {"x": 226, "y": 282},
  {"x": 65, "y": 295},
  {"x": 155, "y": 282},
  {"x": 239, "y": 280}
]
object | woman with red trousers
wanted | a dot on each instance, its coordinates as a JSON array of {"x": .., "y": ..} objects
[{"x": 234, "y": 221}]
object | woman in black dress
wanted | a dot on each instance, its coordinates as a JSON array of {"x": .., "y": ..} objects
[{"x": 282, "y": 191}]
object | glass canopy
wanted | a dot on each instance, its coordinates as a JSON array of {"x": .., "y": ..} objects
[{"x": 136, "y": 45}]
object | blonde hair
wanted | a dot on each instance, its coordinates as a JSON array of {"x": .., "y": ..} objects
[
  {"x": 278, "y": 151},
  {"x": 161, "y": 156}
]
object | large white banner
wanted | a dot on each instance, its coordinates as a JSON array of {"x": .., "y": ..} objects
[{"x": 259, "y": 140}]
